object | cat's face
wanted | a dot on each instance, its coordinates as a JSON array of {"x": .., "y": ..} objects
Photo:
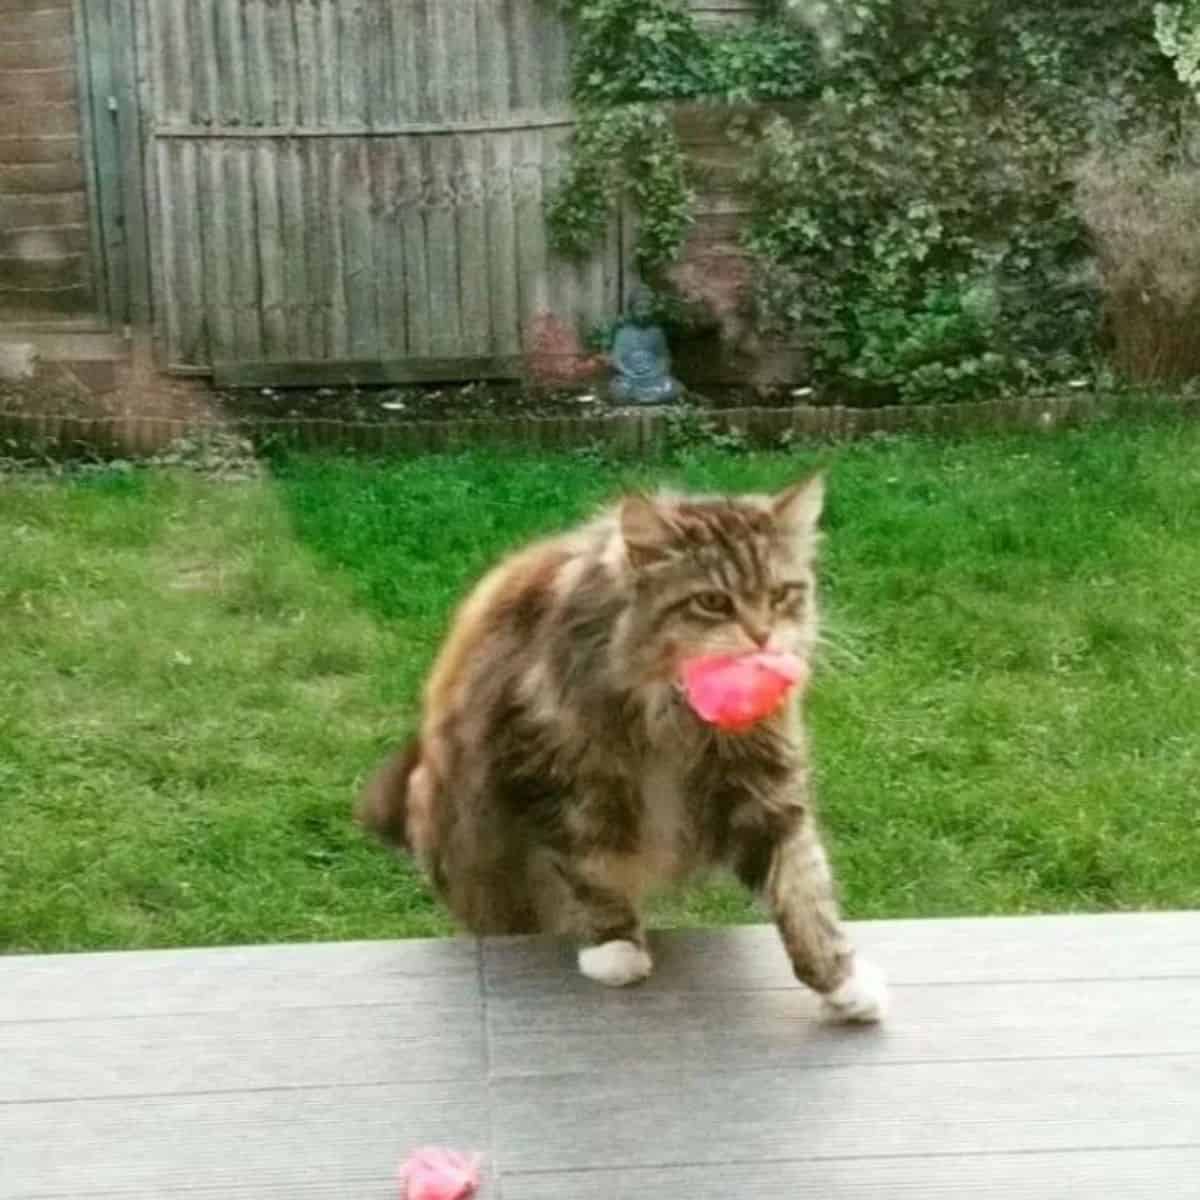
[{"x": 722, "y": 576}]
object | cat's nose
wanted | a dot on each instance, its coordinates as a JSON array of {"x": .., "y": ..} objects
[
  {"x": 755, "y": 622},
  {"x": 760, "y": 635}
]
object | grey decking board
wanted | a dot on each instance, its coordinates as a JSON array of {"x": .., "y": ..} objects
[
  {"x": 1086, "y": 1175},
  {"x": 713, "y": 1080},
  {"x": 655, "y": 1115},
  {"x": 49, "y": 987},
  {"x": 734, "y": 1031},
  {"x": 247, "y": 1141},
  {"x": 965, "y": 950},
  {"x": 348, "y": 1185},
  {"x": 221, "y": 1052},
  {"x": 221, "y": 980}
]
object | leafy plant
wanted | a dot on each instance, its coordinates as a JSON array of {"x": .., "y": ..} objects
[
  {"x": 691, "y": 430},
  {"x": 631, "y": 149},
  {"x": 908, "y": 272},
  {"x": 630, "y": 56},
  {"x": 1177, "y": 31},
  {"x": 925, "y": 164}
]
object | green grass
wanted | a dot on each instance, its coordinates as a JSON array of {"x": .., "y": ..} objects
[{"x": 195, "y": 674}]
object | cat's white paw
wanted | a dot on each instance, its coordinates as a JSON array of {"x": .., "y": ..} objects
[
  {"x": 863, "y": 997},
  {"x": 616, "y": 964}
]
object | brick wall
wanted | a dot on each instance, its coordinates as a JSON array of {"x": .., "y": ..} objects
[{"x": 45, "y": 272}]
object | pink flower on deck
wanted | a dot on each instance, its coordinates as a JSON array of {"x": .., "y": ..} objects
[
  {"x": 433, "y": 1173},
  {"x": 735, "y": 692}
]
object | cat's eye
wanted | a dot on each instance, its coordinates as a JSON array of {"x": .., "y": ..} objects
[
  {"x": 714, "y": 604},
  {"x": 786, "y": 594}
]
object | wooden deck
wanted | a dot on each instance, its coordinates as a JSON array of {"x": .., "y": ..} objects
[{"x": 1046, "y": 1058}]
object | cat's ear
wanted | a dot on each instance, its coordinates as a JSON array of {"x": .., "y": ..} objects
[
  {"x": 797, "y": 509},
  {"x": 648, "y": 534}
]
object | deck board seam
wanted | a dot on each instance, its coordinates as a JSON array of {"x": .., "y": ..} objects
[
  {"x": 1030, "y": 1151},
  {"x": 548, "y": 996},
  {"x": 491, "y": 1166},
  {"x": 990, "y": 1059},
  {"x": 895, "y": 984},
  {"x": 177, "y": 1014},
  {"x": 474, "y": 1078},
  {"x": 128, "y": 1097}
]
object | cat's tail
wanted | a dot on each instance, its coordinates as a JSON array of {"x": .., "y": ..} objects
[{"x": 384, "y": 804}]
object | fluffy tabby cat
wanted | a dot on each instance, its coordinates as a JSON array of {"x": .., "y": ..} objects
[{"x": 559, "y": 775}]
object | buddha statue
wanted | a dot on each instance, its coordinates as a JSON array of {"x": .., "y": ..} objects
[{"x": 640, "y": 358}]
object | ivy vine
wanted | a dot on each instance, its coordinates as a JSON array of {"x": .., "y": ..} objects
[
  {"x": 913, "y": 215},
  {"x": 630, "y": 56},
  {"x": 1177, "y": 30},
  {"x": 630, "y": 150}
]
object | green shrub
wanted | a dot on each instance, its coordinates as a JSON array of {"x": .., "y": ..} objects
[{"x": 913, "y": 215}]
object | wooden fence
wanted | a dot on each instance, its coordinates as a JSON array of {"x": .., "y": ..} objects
[
  {"x": 343, "y": 190},
  {"x": 345, "y": 183}
]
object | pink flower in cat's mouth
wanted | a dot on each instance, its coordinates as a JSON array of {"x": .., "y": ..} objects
[{"x": 735, "y": 692}]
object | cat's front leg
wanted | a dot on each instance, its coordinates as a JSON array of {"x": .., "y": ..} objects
[
  {"x": 798, "y": 886},
  {"x": 605, "y": 923}
]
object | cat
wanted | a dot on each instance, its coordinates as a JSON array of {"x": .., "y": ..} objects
[{"x": 559, "y": 775}]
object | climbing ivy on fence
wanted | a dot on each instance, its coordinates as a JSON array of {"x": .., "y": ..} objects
[
  {"x": 913, "y": 217},
  {"x": 1177, "y": 29}
]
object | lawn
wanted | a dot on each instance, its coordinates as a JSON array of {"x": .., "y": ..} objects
[{"x": 195, "y": 674}]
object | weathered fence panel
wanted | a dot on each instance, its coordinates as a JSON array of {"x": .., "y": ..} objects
[{"x": 358, "y": 182}]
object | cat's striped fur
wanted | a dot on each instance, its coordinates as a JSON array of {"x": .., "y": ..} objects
[{"x": 559, "y": 776}]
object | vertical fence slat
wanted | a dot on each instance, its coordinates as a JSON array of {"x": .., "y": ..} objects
[
  {"x": 202, "y": 38},
  {"x": 272, "y": 284},
  {"x": 260, "y": 86},
  {"x": 339, "y": 333},
  {"x": 439, "y": 200},
  {"x": 101, "y": 148},
  {"x": 462, "y": 51},
  {"x": 389, "y": 250},
  {"x": 379, "y": 75},
  {"x": 327, "y": 64},
  {"x": 502, "y": 288},
  {"x": 296, "y": 216},
  {"x": 416, "y": 274},
  {"x": 503, "y": 275},
  {"x": 185, "y": 250},
  {"x": 472, "y": 243},
  {"x": 245, "y": 254},
  {"x": 531, "y": 264},
  {"x": 218, "y": 258},
  {"x": 360, "y": 266},
  {"x": 194, "y": 324},
  {"x": 442, "y": 251},
  {"x": 315, "y": 241},
  {"x": 308, "y": 65},
  {"x": 285, "y": 61},
  {"x": 231, "y": 43},
  {"x": 177, "y": 73},
  {"x": 351, "y": 60},
  {"x": 404, "y": 41},
  {"x": 169, "y": 250}
]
